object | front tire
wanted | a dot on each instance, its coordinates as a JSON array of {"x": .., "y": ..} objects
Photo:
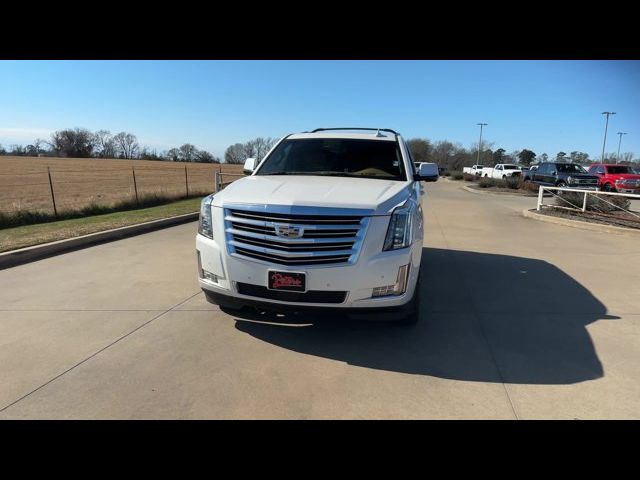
[{"x": 608, "y": 188}]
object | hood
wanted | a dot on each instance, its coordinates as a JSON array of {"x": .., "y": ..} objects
[
  {"x": 316, "y": 191},
  {"x": 620, "y": 176}
]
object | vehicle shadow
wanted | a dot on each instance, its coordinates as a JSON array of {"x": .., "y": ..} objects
[{"x": 484, "y": 317}]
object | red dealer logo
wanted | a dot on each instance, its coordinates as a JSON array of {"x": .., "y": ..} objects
[{"x": 280, "y": 280}]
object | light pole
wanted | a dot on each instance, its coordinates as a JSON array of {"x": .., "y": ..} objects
[
  {"x": 605, "y": 132},
  {"x": 619, "y": 142},
  {"x": 480, "y": 142}
]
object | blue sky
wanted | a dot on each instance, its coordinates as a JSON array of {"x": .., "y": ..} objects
[{"x": 546, "y": 106}]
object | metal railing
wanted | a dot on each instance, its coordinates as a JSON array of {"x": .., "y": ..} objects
[
  {"x": 220, "y": 183},
  {"x": 596, "y": 193}
]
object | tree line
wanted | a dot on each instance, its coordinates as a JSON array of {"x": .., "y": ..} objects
[
  {"x": 454, "y": 156},
  {"x": 82, "y": 143}
]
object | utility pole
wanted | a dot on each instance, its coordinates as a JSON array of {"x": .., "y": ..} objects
[
  {"x": 480, "y": 142},
  {"x": 619, "y": 142},
  {"x": 605, "y": 132}
]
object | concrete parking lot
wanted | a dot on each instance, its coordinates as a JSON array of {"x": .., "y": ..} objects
[{"x": 521, "y": 319}]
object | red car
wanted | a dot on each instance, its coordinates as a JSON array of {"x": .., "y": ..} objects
[{"x": 616, "y": 178}]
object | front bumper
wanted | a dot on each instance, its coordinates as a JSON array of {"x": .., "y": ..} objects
[
  {"x": 627, "y": 188},
  {"x": 579, "y": 186},
  {"x": 372, "y": 269},
  {"x": 370, "y": 313}
]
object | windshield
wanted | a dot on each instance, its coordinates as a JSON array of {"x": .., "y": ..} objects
[
  {"x": 570, "y": 168},
  {"x": 619, "y": 169},
  {"x": 338, "y": 157}
]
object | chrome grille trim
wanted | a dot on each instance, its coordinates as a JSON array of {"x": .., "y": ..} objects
[{"x": 330, "y": 237}]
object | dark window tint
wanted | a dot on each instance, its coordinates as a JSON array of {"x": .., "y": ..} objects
[
  {"x": 570, "y": 168},
  {"x": 336, "y": 157},
  {"x": 619, "y": 169}
]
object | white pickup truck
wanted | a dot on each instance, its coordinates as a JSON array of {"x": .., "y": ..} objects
[
  {"x": 502, "y": 170},
  {"x": 329, "y": 220},
  {"x": 473, "y": 169}
]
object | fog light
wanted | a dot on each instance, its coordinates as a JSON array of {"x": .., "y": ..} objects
[
  {"x": 397, "y": 288},
  {"x": 212, "y": 277}
]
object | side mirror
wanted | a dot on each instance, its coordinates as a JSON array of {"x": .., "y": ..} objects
[
  {"x": 249, "y": 166},
  {"x": 428, "y": 172}
]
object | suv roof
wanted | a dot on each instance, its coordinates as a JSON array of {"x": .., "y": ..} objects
[
  {"x": 374, "y": 134},
  {"x": 610, "y": 165}
]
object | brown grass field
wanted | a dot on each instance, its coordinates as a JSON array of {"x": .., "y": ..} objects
[{"x": 79, "y": 182}]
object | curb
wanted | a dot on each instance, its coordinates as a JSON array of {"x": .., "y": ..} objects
[
  {"x": 480, "y": 192},
  {"x": 38, "y": 252},
  {"x": 596, "y": 227}
]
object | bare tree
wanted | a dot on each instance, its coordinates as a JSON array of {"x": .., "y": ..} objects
[
  {"x": 38, "y": 145},
  {"x": 235, "y": 154},
  {"x": 172, "y": 155},
  {"x": 126, "y": 144},
  {"x": 262, "y": 146},
  {"x": 105, "y": 143},
  {"x": 188, "y": 152},
  {"x": 78, "y": 142},
  {"x": 420, "y": 149},
  {"x": 203, "y": 156}
]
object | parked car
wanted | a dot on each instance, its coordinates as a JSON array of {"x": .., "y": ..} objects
[
  {"x": 616, "y": 178},
  {"x": 473, "y": 170},
  {"x": 502, "y": 170},
  {"x": 558, "y": 174},
  {"x": 328, "y": 220}
]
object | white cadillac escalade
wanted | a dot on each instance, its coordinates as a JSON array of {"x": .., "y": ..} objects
[{"x": 329, "y": 219}]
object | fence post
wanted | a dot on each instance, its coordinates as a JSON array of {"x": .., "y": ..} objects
[
  {"x": 53, "y": 198},
  {"x": 186, "y": 180},
  {"x": 540, "y": 194},
  {"x": 217, "y": 180},
  {"x": 584, "y": 202},
  {"x": 135, "y": 185}
]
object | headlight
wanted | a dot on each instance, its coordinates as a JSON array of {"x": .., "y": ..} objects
[
  {"x": 400, "y": 231},
  {"x": 205, "y": 226},
  {"x": 569, "y": 180}
]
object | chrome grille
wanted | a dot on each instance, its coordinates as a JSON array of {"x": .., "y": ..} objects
[{"x": 322, "y": 239}]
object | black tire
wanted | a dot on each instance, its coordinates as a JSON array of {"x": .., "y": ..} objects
[
  {"x": 561, "y": 184},
  {"x": 504, "y": 177},
  {"x": 608, "y": 188}
]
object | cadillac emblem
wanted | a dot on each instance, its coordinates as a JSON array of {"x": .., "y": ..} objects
[{"x": 288, "y": 231}]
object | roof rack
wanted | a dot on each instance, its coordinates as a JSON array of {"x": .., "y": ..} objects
[{"x": 356, "y": 128}]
